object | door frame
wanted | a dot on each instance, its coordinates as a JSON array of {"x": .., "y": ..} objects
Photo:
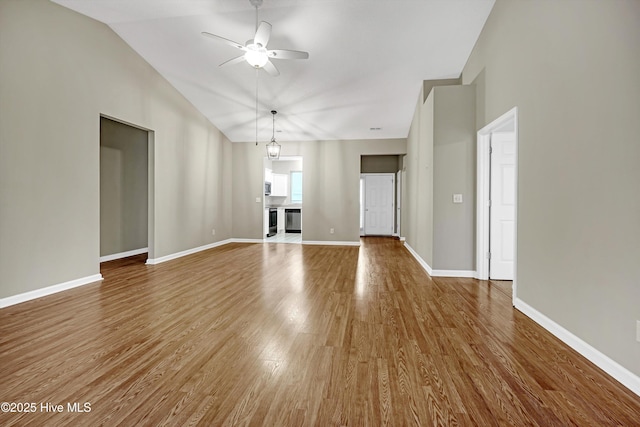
[
  {"x": 398, "y": 202},
  {"x": 363, "y": 176},
  {"x": 483, "y": 192},
  {"x": 150, "y": 249}
]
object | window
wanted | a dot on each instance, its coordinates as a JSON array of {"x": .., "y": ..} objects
[{"x": 296, "y": 187}]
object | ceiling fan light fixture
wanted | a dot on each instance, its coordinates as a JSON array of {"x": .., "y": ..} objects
[
  {"x": 255, "y": 50},
  {"x": 256, "y": 55}
]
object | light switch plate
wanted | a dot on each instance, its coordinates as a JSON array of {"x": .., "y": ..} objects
[
  {"x": 258, "y": 199},
  {"x": 457, "y": 198}
]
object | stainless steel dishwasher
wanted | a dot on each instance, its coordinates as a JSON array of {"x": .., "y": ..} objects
[{"x": 293, "y": 220}]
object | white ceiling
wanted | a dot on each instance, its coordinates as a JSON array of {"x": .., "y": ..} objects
[{"x": 367, "y": 59}]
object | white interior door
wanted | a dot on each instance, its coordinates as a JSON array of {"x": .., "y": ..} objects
[
  {"x": 379, "y": 204},
  {"x": 502, "y": 211}
]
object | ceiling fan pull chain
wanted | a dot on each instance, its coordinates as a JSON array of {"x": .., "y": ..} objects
[{"x": 256, "y": 107}]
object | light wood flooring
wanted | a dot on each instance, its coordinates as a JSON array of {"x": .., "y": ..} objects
[{"x": 288, "y": 335}]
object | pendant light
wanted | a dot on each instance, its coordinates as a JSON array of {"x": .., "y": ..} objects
[{"x": 273, "y": 148}]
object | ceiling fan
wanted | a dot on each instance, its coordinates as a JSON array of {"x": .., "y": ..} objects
[{"x": 255, "y": 51}]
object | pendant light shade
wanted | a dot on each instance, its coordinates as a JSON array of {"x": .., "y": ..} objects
[{"x": 273, "y": 148}]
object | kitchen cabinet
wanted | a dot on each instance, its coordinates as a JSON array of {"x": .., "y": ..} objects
[
  {"x": 280, "y": 185},
  {"x": 268, "y": 175}
]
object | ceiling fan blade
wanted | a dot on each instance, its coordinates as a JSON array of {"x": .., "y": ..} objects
[
  {"x": 232, "y": 61},
  {"x": 222, "y": 39},
  {"x": 287, "y": 54},
  {"x": 262, "y": 34},
  {"x": 271, "y": 69}
]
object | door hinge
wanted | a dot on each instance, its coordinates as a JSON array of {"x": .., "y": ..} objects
[
  {"x": 490, "y": 149},
  {"x": 489, "y": 203},
  {"x": 488, "y": 255}
]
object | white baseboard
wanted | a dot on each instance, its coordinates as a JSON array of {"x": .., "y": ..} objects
[
  {"x": 154, "y": 261},
  {"x": 454, "y": 273},
  {"x": 38, "y": 293},
  {"x": 123, "y": 254},
  {"x": 402, "y": 239},
  {"x": 418, "y": 258},
  {"x": 438, "y": 273},
  {"x": 246, "y": 241},
  {"x": 329, "y": 243},
  {"x": 610, "y": 366}
]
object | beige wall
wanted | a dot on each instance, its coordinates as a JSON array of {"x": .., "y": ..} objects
[
  {"x": 412, "y": 200},
  {"x": 286, "y": 166},
  {"x": 572, "y": 68},
  {"x": 331, "y": 186},
  {"x": 60, "y": 72},
  {"x": 440, "y": 161},
  {"x": 454, "y": 158},
  {"x": 417, "y": 203},
  {"x": 380, "y": 164},
  {"x": 422, "y": 160},
  {"x": 427, "y": 85}
]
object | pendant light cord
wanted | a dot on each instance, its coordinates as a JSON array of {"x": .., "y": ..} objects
[
  {"x": 273, "y": 133},
  {"x": 257, "y": 4},
  {"x": 256, "y": 107}
]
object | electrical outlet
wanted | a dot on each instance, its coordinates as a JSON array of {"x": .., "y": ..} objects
[
  {"x": 213, "y": 232},
  {"x": 331, "y": 231},
  {"x": 638, "y": 330},
  {"x": 258, "y": 199},
  {"x": 457, "y": 198}
]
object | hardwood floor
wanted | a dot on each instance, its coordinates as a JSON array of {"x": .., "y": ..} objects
[{"x": 281, "y": 334}]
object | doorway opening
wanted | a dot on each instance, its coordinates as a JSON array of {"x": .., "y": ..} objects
[
  {"x": 497, "y": 195},
  {"x": 283, "y": 198},
  {"x": 126, "y": 184},
  {"x": 377, "y": 204},
  {"x": 380, "y": 192}
]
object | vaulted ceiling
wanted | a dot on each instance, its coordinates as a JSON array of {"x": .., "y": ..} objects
[{"x": 367, "y": 61}]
